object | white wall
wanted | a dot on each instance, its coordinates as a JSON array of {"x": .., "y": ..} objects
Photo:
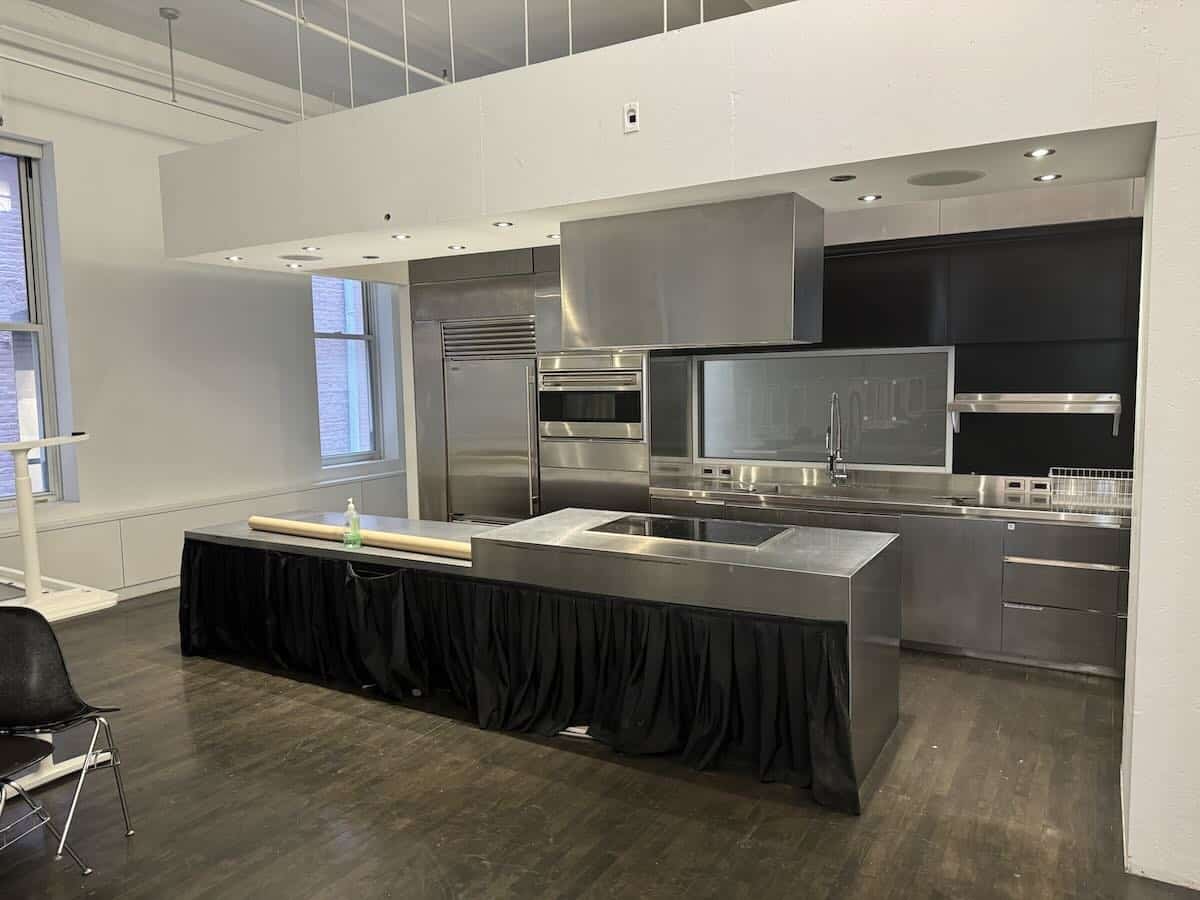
[
  {"x": 796, "y": 87},
  {"x": 198, "y": 385}
]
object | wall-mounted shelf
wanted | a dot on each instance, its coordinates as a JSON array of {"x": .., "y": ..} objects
[{"x": 1089, "y": 404}]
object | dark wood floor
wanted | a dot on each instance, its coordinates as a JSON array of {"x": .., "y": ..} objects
[{"x": 1002, "y": 782}]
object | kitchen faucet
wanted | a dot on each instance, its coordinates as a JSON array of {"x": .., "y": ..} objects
[{"x": 833, "y": 443}]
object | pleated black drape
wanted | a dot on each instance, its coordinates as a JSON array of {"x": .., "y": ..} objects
[{"x": 708, "y": 686}]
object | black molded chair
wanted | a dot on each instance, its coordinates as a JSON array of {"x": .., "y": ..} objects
[
  {"x": 16, "y": 755},
  {"x": 37, "y": 697}
]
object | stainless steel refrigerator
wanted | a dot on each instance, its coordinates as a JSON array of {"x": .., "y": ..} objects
[{"x": 491, "y": 438}]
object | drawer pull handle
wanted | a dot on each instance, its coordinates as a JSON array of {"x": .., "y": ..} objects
[
  {"x": 1063, "y": 564},
  {"x": 709, "y": 502},
  {"x": 1027, "y": 606}
]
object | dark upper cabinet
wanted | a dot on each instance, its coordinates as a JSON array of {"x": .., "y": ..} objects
[
  {"x": 1064, "y": 285},
  {"x": 885, "y": 299}
]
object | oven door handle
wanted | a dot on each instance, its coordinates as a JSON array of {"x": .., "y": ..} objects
[{"x": 592, "y": 382}]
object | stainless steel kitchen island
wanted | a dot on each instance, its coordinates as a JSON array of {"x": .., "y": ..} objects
[{"x": 720, "y": 643}]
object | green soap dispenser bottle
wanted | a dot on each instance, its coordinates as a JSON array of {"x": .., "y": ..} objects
[{"x": 352, "y": 537}]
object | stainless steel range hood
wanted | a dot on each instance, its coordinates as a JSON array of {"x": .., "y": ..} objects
[{"x": 720, "y": 274}]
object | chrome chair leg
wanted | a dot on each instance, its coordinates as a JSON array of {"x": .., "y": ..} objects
[
  {"x": 115, "y": 763},
  {"x": 87, "y": 764},
  {"x": 62, "y": 838}
]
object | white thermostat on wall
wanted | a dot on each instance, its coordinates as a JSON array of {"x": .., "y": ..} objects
[{"x": 632, "y": 117}]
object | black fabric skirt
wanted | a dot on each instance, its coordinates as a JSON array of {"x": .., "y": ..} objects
[{"x": 710, "y": 687}]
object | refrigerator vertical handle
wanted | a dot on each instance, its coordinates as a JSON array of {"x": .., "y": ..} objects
[{"x": 531, "y": 437}]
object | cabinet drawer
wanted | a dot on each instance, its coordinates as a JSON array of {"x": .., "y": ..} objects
[
  {"x": 1060, "y": 635},
  {"x": 1071, "y": 543},
  {"x": 758, "y": 514},
  {"x": 860, "y": 522},
  {"x": 1066, "y": 587},
  {"x": 694, "y": 509}
]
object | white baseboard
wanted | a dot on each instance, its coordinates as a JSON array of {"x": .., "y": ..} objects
[{"x": 149, "y": 587}]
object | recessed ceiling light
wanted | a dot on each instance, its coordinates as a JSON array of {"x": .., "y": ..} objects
[
  {"x": 1053, "y": 177},
  {"x": 310, "y": 249},
  {"x": 870, "y": 198},
  {"x": 554, "y": 236},
  {"x": 401, "y": 237},
  {"x": 457, "y": 247},
  {"x": 235, "y": 258},
  {"x": 295, "y": 266},
  {"x": 370, "y": 257},
  {"x": 502, "y": 224},
  {"x": 841, "y": 178},
  {"x": 1040, "y": 152}
]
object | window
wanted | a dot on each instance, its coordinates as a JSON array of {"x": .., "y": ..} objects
[
  {"x": 343, "y": 331},
  {"x": 775, "y": 407},
  {"x": 25, "y": 369}
]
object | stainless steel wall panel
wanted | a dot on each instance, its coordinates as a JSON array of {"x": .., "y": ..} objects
[{"x": 430, "y": 411}]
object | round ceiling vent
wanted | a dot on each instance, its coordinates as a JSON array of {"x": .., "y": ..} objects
[
  {"x": 945, "y": 178},
  {"x": 300, "y": 257}
]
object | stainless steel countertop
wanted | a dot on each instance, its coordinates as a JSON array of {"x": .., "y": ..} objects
[
  {"x": 242, "y": 535},
  {"x": 885, "y": 500},
  {"x": 815, "y": 551}
]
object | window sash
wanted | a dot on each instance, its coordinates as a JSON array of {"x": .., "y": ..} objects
[
  {"x": 37, "y": 298},
  {"x": 368, "y": 339}
]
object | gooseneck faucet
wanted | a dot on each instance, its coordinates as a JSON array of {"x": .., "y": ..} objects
[{"x": 833, "y": 443}]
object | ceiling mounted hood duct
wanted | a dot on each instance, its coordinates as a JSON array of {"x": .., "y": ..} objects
[{"x": 720, "y": 274}]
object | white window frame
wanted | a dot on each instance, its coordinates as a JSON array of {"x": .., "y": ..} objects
[
  {"x": 369, "y": 337},
  {"x": 38, "y": 295}
]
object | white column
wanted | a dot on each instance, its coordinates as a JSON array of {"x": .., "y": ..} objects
[
  {"x": 27, "y": 525},
  {"x": 1161, "y": 760}
]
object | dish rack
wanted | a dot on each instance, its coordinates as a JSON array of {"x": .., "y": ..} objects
[{"x": 1092, "y": 488}]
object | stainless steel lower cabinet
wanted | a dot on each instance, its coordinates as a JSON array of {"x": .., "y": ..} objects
[
  {"x": 595, "y": 489},
  {"x": 1060, "y": 635},
  {"x": 952, "y": 580}
]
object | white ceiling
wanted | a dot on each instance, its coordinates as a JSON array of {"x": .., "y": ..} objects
[
  {"x": 1082, "y": 157},
  {"x": 489, "y": 35}
]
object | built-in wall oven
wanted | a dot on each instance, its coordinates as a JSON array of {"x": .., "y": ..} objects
[
  {"x": 603, "y": 402},
  {"x": 592, "y": 432}
]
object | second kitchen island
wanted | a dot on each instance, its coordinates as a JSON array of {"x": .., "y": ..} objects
[{"x": 773, "y": 648}]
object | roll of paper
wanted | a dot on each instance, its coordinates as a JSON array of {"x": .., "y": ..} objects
[{"x": 410, "y": 543}]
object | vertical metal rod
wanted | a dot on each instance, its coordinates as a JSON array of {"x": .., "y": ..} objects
[
  {"x": 404, "y": 24},
  {"x": 570, "y": 29},
  {"x": 299, "y": 58},
  {"x": 526, "y": 32},
  {"x": 450, "y": 28},
  {"x": 171, "y": 53},
  {"x": 701, "y": 12},
  {"x": 664, "y": 16},
  {"x": 349, "y": 54}
]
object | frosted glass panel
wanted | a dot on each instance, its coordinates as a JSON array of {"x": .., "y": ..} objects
[{"x": 776, "y": 407}]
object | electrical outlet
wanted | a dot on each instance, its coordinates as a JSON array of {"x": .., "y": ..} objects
[{"x": 632, "y": 117}]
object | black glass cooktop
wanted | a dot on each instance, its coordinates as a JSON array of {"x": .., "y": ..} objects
[{"x": 708, "y": 531}]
